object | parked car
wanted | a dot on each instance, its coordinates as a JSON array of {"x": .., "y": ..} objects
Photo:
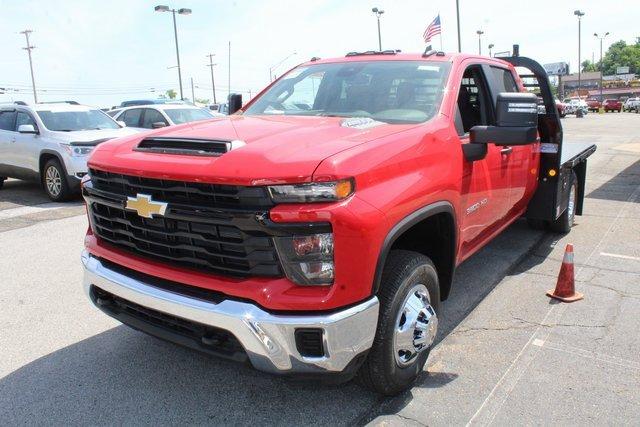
[
  {"x": 632, "y": 104},
  {"x": 575, "y": 104},
  {"x": 593, "y": 104},
  {"x": 317, "y": 231},
  {"x": 220, "y": 108},
  {"x": 612, "y": 105},
  {"x": 50, "y": 143},
  {"x": 134, "y": 102},
  {"x": 158, "y": 116}
]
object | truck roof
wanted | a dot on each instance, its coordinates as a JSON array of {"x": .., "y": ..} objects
[{"x": 397, "y": 56}]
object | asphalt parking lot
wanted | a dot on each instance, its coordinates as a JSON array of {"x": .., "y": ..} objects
[{"x": 506, "y": 353}]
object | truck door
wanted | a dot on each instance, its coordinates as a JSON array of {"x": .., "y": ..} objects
[
  {"x": 522, "y": 158},
  {"x": 485, "y": 188},
  {"x": 27, "y": 145}
]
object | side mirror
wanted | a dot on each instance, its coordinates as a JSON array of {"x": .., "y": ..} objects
[
  {"x": 27, "y": 129},
  {"x": 235, "y": 102},
  {"x": 158, "y": 125},
  {"x": 516, "y": 121},
  {"x": 122, "y": 123}
]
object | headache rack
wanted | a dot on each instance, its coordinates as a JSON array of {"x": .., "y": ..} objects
[{"x": 558, "y": 161}]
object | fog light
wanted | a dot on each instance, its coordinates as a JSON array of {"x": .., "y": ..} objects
[
  {"x": 315, "y": 244},
  {"x": 322, "y": 271}
]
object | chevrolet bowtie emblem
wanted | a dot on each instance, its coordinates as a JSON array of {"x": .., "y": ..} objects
[{"x": 145, "y": 207}]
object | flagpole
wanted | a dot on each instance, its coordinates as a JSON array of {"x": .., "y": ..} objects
[{"x": 440, "y": 32}]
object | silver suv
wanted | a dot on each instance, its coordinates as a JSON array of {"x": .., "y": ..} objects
[{"x": 50, "y": 143}]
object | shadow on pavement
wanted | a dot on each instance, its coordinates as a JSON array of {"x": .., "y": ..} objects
[
  {"x": 620, "y": 187},
  {"x": 25, "y": 193},
  {"x": 123, "y": 376}
]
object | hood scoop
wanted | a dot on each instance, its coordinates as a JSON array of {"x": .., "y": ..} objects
[{"x": 185, "y": 146}]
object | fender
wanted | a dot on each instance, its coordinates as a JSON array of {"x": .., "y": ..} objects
[
  {"x": 71, "y": 181},
  {"x": 405, "y": 224}
]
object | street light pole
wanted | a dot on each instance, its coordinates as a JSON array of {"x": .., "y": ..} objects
[
  {"x": 29, "y": 48},
  {"x": 458, "y": 20},
  {"x": 579, "y": 14},
  {"x": 479, "y": 33},
  {"x": 182, "y": 11},
  {"x": 213, "y": 82},
  {"x": 490, "y": 47},
  {"x": 378, "y": 13},
  {"x": 601, "y": 38}
]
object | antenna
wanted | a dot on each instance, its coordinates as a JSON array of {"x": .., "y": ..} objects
[{"x": 29, "y": 48}]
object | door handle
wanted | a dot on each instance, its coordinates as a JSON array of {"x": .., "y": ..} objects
[{"x": 506, "y": 151}]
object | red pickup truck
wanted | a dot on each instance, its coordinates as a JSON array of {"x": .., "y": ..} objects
[{"x": 317, "y": 230}]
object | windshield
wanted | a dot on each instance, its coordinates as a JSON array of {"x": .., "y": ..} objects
[
  {"x": 184, "y": 115},
  {"x": 69, "y": 121},
  {"x": 387, "y": 91}
]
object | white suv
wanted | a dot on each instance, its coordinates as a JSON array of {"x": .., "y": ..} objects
[
  {"x": 49, "y": 143},
  {"x": 632, "y": 104},
  {"x": 160, "y": 115}
]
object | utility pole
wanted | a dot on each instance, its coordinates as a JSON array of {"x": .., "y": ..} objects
[
  {"x": 193, "y": 95},
  {"x": 601, "y": 38},
  {"x": 229, "y": 70},
  {"x": 458, "y": 20},
  {"x": 579, "y": 14},
  {"x": 29, "y": 48},
  {"x": 213, "y": 82}
]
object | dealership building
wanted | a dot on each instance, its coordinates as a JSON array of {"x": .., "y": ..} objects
[{"x": 616, "y": 86}]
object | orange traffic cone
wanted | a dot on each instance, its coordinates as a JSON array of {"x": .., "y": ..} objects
[{"x": 565, "y": 290}]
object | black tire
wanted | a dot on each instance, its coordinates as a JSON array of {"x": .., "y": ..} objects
[
  {"x": 403, "y": 271},
  {"x": 2, "y": 179},
  {"x": 63, "y": 191},
  {"x": 565, "y": 221}
]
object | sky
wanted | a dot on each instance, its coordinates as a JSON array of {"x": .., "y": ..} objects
[{"x": 101, "y": 52}]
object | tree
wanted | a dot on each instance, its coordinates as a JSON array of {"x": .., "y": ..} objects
[
  {"x": 620, "y": 54},
  {"x": 588, "y": 66},
  {"x": 171, "y": 94}
]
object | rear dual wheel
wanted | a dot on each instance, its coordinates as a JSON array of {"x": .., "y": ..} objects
[
  {"x": 407, "y": 323},
  {"x": 564, "y": 222}
]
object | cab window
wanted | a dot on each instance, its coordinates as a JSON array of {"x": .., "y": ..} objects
[
  {"x": 24, "y": 119},
  {"x": 7, "y": 120},
  {"x": 504, "y": 81},
  {"x": 131, "y": 117},
  {"x": 152, "y": 116},
  {"x": 473, "y": 106}
]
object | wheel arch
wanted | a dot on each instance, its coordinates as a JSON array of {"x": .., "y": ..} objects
[{"x": 432, "y": 231}]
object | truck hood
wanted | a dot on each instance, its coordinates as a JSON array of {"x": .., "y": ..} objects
[
  {"x": 91, "y": 137},
  {"x": 278, "y": 149}
]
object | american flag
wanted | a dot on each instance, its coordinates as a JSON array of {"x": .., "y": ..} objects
[{"x": 432, "y": 30}]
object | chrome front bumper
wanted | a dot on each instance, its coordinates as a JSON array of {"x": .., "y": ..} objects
[{"x": 268, "y": 339}]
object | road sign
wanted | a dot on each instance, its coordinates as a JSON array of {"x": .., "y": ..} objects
[
  {"x": 622, "y": 70},
  {"x": 557, "y": 68}
]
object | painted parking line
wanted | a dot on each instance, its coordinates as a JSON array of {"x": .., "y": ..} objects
[
  {"x": 26, "y": 210},
  {"x": 634, "y": 258}
]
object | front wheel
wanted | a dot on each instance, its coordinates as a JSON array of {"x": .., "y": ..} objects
[
  {"x": 407, "y": 323},
  {"x": 54, "y": 181}
]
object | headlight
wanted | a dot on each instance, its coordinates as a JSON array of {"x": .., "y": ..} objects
[
  {"x": 307, "y": 260},
  {"x": 312, "y": 192},
  {"x": 78, "y": 150}
]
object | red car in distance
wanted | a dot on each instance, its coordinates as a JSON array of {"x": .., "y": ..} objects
[
  {"x": 593, "y": 104},
  {"x": 612, "y": 105}
]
